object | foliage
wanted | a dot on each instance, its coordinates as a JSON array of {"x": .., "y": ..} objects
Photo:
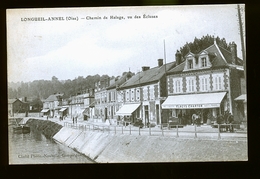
[
  {"x": 200, "y": 44},
  {"x": 41, "y": 89}
]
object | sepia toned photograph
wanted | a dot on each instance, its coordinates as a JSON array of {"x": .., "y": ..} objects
[{"x": 136, "y": 84}]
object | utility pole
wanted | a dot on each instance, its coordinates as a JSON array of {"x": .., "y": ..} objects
[
  {"x": 165, "y": 85},
  {"x": 242, "y": 39}
]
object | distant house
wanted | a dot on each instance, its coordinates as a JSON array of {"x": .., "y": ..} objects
[
  {"x": 112, "y": 103},
  {"x": 101, "y": 99},
  {"x": 81, "y": 105},
  {"x": 16, "y": 106},
  {"x": 52, "y": 105},
  {"x": 142, "y": 95},
  {"x": 205, "y": 83}
]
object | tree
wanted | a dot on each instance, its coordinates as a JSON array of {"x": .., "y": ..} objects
[{"x": 200, "y": 44}]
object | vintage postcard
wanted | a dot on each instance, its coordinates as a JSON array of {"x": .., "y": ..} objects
[{"x": 127, "y": 84}]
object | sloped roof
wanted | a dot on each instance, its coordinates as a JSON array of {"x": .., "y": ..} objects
[
  {"x": 148, "y": 76},
  {"x": 178, "y": 68},
  {"x": 219, "y": 57},
  {"x": 12, "y": 100},
  {"x": 118, "y": 82},
  {"x": 53, "y": 97},
  {"x": 228, "y": 56}
]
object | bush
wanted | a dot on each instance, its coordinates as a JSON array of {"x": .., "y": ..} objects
[{"x": 139, "y": 123}]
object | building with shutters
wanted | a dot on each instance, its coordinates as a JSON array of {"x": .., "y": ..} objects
[
  {"x": 142, "y": 95},
  {"x": 81, "y": 105},
  {"x": 112, "y": 94},
  {"x": 100, "y": 111},
  {"x": 205, "y": 83}
]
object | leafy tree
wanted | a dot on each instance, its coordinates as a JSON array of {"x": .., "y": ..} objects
[
  {"x": 41, "y": 89},
  {"x": 200, "y": 44}
]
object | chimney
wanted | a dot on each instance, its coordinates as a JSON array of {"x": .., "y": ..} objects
[
  {"x": 160, "y": 62},
  {"x": 178, "y": 57},
  {"x": 233, "y": 48},
  {"x": 144, "y": 68}
]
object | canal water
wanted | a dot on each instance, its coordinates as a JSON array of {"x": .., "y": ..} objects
[{"x": 35, "y": 148}]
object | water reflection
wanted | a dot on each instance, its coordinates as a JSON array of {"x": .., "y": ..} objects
[{"x": 35, "y": 148}]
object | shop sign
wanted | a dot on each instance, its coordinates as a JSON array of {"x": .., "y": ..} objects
[{"x": 190, "y": 106}]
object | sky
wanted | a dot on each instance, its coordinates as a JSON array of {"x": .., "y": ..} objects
[{"x": 70, "y": 48}]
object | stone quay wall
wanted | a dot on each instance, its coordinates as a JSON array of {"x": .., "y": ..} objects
[{"x": 120, "y": 148}]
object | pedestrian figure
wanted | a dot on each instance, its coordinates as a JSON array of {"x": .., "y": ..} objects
[
  {"x": 73, "y": 120},
  {"x": 230, "y": 121},
  {"x": 179, "y": 118},
  {"x": 219, "y": 121},
  {"x": 198, "y": 120},
  {"x": 194, "y": 118}
]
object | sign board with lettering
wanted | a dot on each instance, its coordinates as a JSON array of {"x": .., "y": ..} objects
[{"x": 70, "y": 50}]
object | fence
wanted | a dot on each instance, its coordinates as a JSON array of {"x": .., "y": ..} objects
[{"x": 161, "y": 130}]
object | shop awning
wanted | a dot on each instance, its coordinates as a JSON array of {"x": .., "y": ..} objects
[
  {"x": 86, "y": 111},
  {"x": 62, "y": 109},
  {"x": 241, "y": 98},
  {"x": 127, "y": 109},
  {"x": 194, "y": 101},
  {"x": 45, "y": 110}
]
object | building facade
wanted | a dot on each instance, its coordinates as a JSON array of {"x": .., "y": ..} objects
[
  {"x": 142, "y": 95},
  {"x": 16, "y": 106},
  {"x": 100, "y": 111},
  {"x": 112, "y": 94},
  {"x": 81, "y": 105},
  {"x": 52, "y": 105},
  {"x": 206, "y": 83}
]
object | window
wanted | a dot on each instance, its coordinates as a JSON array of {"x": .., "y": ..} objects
[
  {"x": 151, "y": 92},
  {"x": 145, "y": 95},
  {"x": 190, "y": 64},
  {"x": 203, "y": 62},
  {"x": 218, "y": 85},
  {"x": 191, "y": 85},
  {"x": 177, "y": 86},
  {"x": 204, "y": 84}
]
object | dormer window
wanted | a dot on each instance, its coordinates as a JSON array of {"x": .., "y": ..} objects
[
  {"x": 190, "y": 64},
  {"x": 203, "y": 61}
]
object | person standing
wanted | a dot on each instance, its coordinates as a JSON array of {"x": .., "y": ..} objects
[
  {"x": 73, "y": 120},
  {"x": 230, "y": 121},
  {"x": 194, "y": 118},
  {"x": 199, "y": 119},
  {"x": 219, "y": 121},
  {"x": 179, "y": 118}
]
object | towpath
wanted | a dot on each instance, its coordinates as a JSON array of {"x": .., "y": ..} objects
[{"x": 191, "y": 132}]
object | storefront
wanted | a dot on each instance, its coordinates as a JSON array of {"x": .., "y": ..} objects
[
  {"x": 208, "y": 105},
  {"x": 45, "y": 112},
  {"x": 129, "y": 112},
  {"x": 63, "y": 111},
  {"x": 87, "y": 113}
]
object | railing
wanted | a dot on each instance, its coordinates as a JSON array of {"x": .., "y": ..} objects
[{"x": 161, "y": 130}]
